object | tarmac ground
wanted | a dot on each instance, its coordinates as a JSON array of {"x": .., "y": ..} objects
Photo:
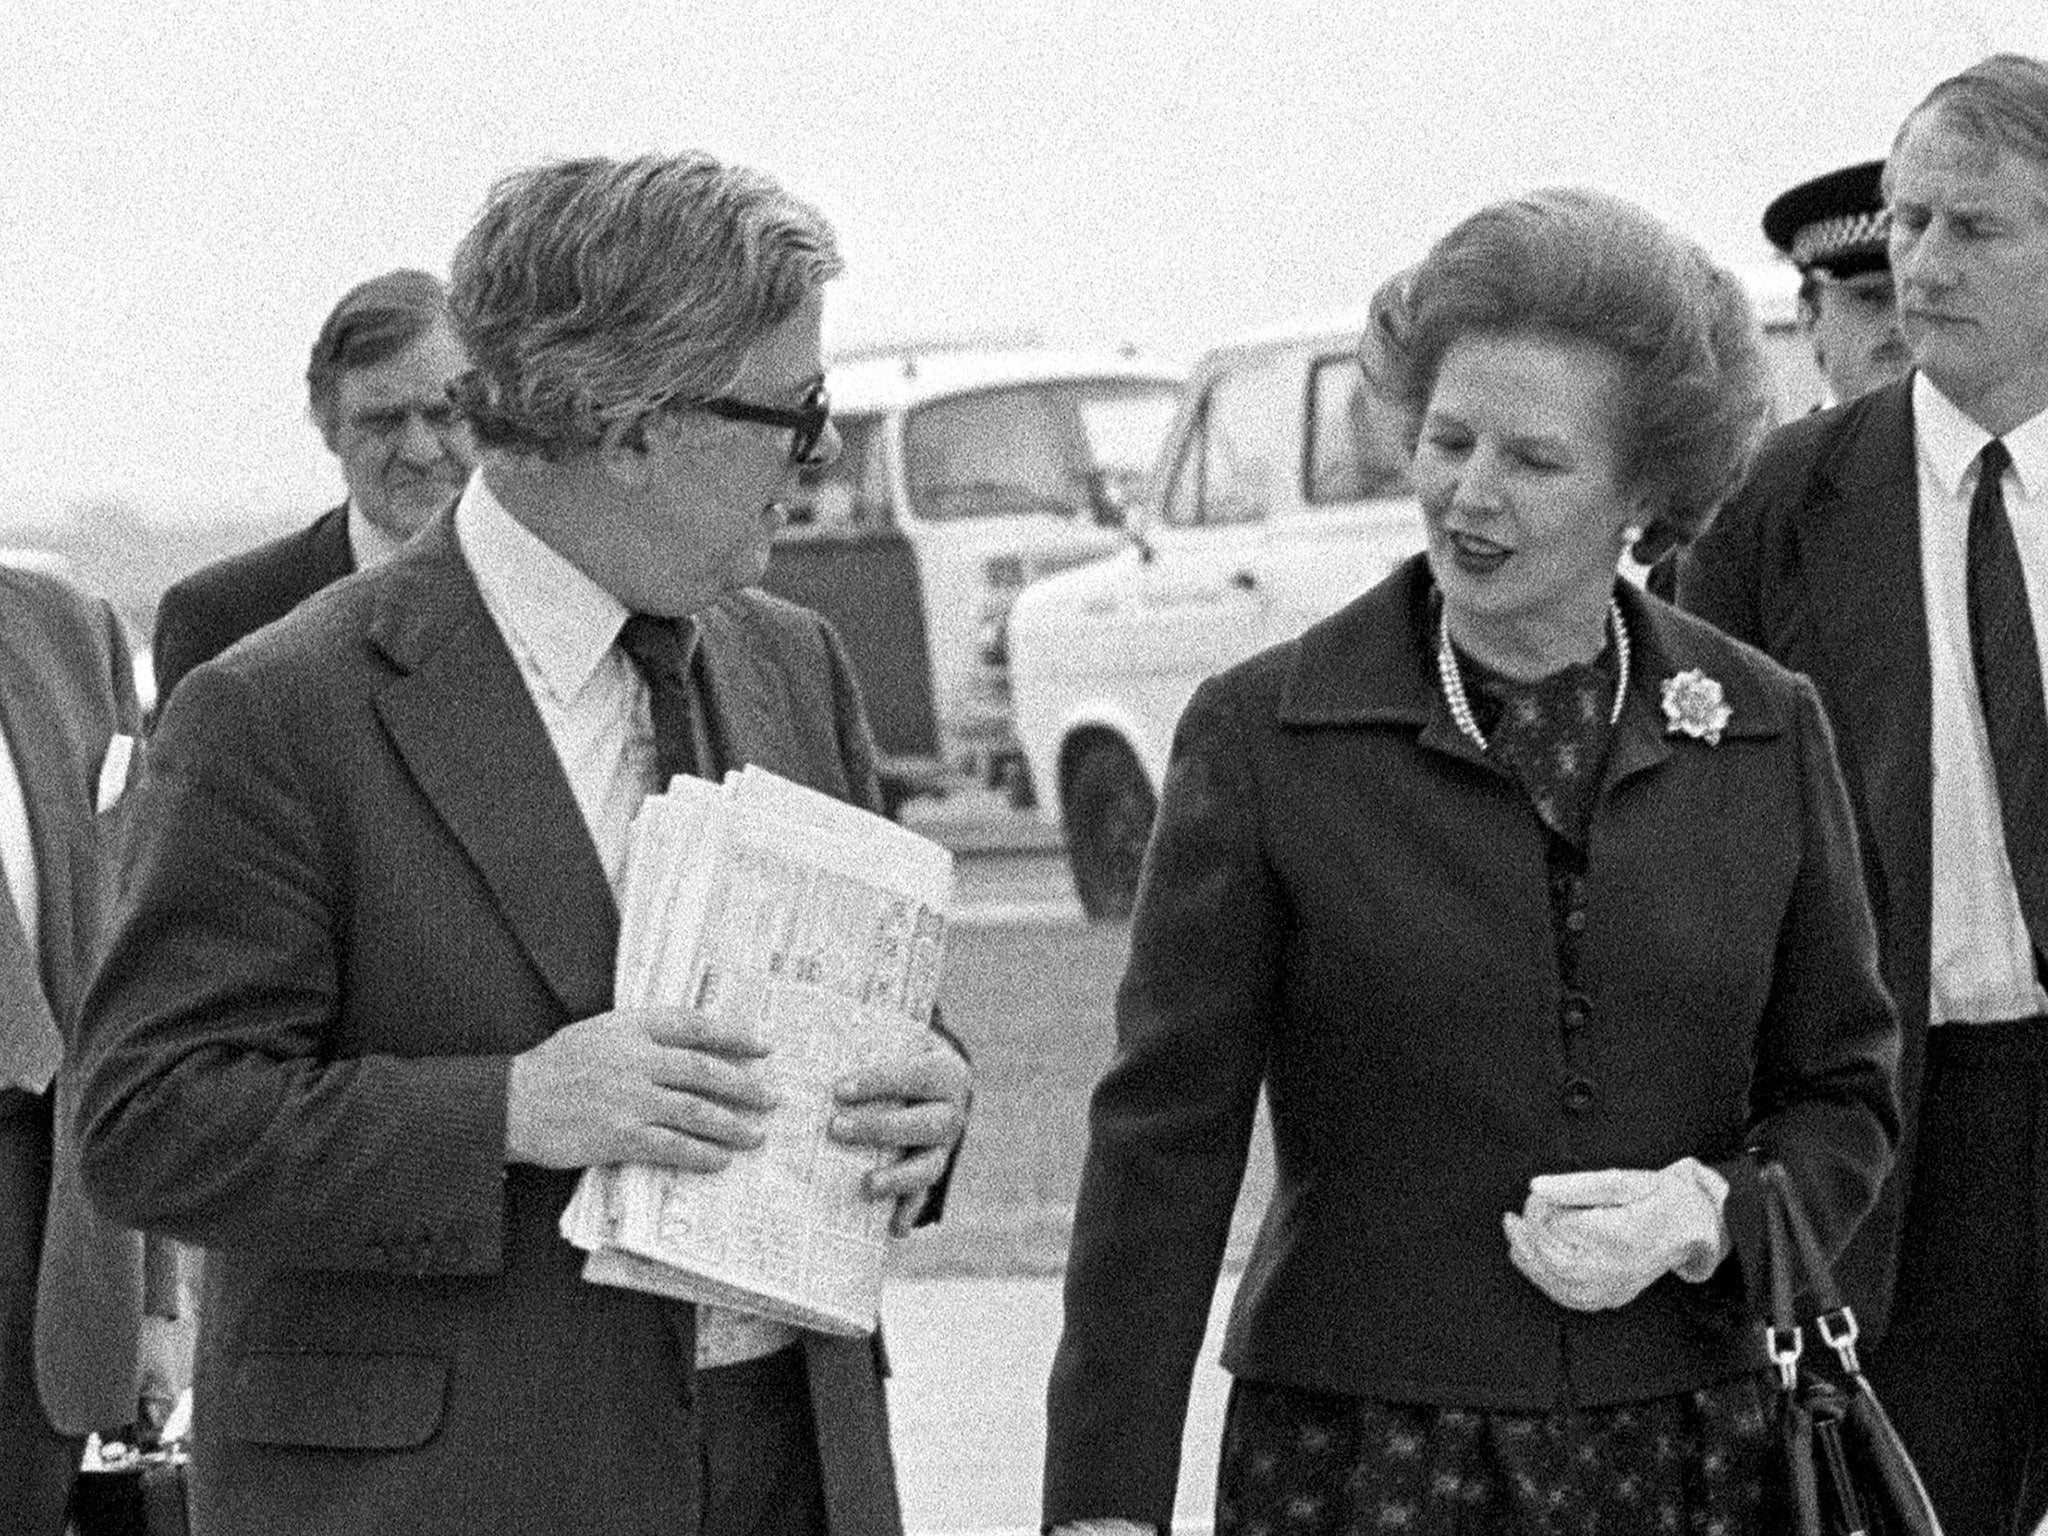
[
  {"x": 970, "y": 1356},
  {"x": 967, "y": 1404}
]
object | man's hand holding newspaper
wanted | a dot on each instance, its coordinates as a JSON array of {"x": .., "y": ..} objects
[
  {"x": 916, "y": 1106},
  {"x": 638, "y": 1085},
  {"x": 769, "y": 1101}
]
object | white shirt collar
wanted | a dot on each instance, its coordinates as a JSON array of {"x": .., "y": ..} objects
[
  {"x": 368, "y": 544},
  {"x": 562, "y": 621},
  {"x": 1950, "y": 442}
]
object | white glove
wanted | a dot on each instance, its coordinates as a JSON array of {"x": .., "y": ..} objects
[{"x": 1593, "y": 1241}]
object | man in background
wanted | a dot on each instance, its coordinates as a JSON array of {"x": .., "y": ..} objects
[
  {"x": 1834, "y": 230},
  {"x": 355, "y": 1032},
  {"x": 1895, "y": 549},
  {"x": 377, "y": 389},
  {"x": 70, "y": 1281}
]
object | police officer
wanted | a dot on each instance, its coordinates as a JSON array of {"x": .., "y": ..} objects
[{"x": 1834, "y": 229}]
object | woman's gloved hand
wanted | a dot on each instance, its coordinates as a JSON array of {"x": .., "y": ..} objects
[{"x": 1592, "y": 1241}]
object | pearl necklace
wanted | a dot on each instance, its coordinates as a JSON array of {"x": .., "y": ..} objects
[{"x": 1454, "y": 683}]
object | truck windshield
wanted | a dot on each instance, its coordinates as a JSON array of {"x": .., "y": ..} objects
[
  {"x": 1070, "y": 449},
  {"x": 848, "y": 498}
]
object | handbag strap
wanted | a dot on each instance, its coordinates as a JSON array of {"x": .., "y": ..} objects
[
  {"x": 1793, "y": 1242},
  {"x": 1783, "y": 1340}
]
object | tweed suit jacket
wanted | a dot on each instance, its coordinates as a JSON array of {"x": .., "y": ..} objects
[
  {"x": 66, "y": 688},
  {"x": 1345, "y": 910},
  {"x": 360, "y": 885},
  {"x": 1817, "y": 562},
  {"x": 202, "y": 614}
]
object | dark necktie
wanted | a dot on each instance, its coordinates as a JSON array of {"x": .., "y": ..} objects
[
  {"x": 660, "y": 650},
  {"x": 30, "y": 1044},
  {"x": 2008, "y": 665}
]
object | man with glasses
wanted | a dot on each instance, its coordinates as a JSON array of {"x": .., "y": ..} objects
[
  {"x": 355, "y": 1032},
  {"x": 1834, "y": 229},
  {"x": 377, "y": 389}
]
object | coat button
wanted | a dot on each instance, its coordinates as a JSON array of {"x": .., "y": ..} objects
[
  {"x": 1575, "y": 1010},
  {"x": 1578, "y": 1095}
]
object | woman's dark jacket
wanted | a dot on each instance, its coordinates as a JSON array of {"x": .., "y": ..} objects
[{"x": 1346, "y": 902}]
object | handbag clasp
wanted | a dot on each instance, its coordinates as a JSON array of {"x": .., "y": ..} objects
[
  {"x": 1838, "y": 1328},
  {"x": 1785, "y": 1345}
]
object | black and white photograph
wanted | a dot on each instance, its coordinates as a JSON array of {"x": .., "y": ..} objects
[{"x": 1079, "y": 769}]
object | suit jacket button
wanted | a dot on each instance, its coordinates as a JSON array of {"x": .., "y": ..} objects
[
  {"x": 1578, "y": 1095},
  {"x": 1575, "y": 1010}
]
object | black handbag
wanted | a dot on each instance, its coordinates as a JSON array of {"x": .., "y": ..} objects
[
  {"x": 1846, "y": 1472},
  {"x": 141, "y": 1493}
]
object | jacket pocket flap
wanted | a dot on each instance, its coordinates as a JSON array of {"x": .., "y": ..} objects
[{"x": 344, "y": 1401}]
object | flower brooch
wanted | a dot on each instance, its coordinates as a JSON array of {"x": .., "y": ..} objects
[{"x": 1694, "y": 706}]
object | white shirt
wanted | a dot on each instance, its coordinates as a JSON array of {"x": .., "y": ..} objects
[
  {"x": 368, "y": 544},
  {"x": 561, "y": 628},
  {"x": 1982, "y": 961}
]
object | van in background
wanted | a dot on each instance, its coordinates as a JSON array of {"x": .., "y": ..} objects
[
  {"x": 1281, "y": 494},
  {"x": 963, "y": 475}
]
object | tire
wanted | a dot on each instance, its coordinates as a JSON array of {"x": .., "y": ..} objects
[{"x": 1108, "y": 807}]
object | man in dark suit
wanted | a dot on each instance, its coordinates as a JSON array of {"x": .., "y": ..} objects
[
  {"x": 1896, "y": 549},
  {"x": 355, "y": 1032},
  {"x": 377, "y": 388},
  {"x": 70, "y": 1281}
]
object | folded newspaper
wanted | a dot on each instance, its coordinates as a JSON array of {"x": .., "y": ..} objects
[{"x": 823, "y": 927}]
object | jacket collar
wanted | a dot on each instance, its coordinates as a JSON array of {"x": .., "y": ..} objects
[
  {"x": 1373, "y": 663},
  {"x": 53, "y": 783},
  {"x": 459, "y": 714}
]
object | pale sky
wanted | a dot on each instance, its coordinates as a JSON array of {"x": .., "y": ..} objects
[{"x": 194, "y": 182}]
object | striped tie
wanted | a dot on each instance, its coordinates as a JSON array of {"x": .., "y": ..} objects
[{"x": 660, "y": 649}]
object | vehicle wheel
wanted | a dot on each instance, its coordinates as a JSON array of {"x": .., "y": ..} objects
[{"x": 1108, "y": 808}]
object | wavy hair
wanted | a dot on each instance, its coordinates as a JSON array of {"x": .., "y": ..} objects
[
  {"x": 371, "y": 323},
  {"x": 1585, "y": 266},
  {"x": 2001, "y": 101},
  {"x": 592, "y": 292}
]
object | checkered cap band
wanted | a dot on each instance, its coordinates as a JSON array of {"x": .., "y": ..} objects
[{"x": 1852, "y": 233}]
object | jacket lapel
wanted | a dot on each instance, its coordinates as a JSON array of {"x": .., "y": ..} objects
[
  {"x": 52, "y": 787},
  {"x": 1365, "y": 667},
  {"x": 1858, "y": 542},
  {"x": 1662, "y": 644},
  {"x": 460, "y": 716}
]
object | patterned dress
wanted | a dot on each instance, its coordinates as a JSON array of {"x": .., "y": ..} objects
[{"x": 1303, "y": 1463}]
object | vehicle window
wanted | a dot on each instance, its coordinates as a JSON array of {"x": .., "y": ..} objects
[
  {"x": 848, "y": 497},
  {"x": 1225, "y": 470},
  {"x": 1353, "y": 447},
  {"x": 1124, "y": 427},
  {"x": 1068, "y": 448}
]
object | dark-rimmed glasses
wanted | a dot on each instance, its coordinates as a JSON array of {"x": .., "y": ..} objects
[{"x": 806, "y": 424}]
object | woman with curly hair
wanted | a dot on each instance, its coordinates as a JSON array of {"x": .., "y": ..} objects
[{"x": 1532, "y": 907}]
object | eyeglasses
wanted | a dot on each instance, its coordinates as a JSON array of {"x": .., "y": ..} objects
[{"x": 806, "y": 424}]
